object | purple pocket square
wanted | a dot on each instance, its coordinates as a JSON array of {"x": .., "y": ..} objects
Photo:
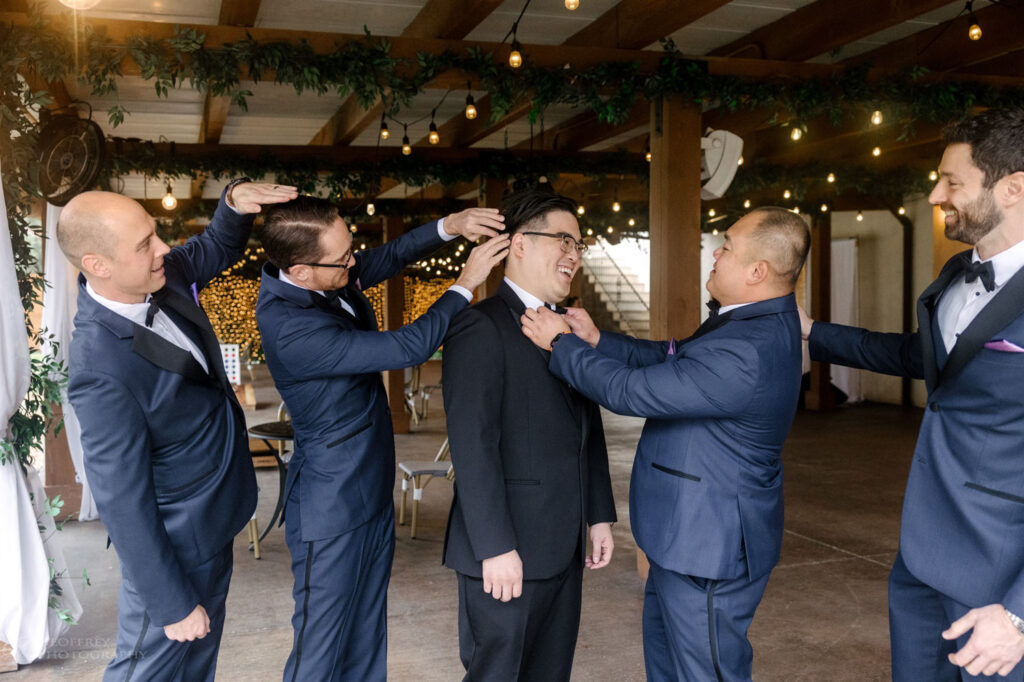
[{"x": 1004, "y": 346}]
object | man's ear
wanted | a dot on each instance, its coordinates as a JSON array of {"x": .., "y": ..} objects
[
  {"x": 758, "y": 272},
  {"x": 517, "y": 245},
  {"x": 95, "y": 265},
  {"x": 1013, "y": 190},
  {"x": 299, "y": 273}
]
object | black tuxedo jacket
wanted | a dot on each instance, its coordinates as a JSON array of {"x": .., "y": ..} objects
[{"x": 531, "y": 467}]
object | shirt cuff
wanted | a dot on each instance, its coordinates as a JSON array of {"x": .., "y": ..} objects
[
  {"x": 466, "y": 293},
  {"x": 442, "y": 234}
]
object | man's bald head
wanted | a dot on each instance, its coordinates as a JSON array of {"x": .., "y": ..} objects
[
  {"x": 781, "y": 238},
  {"x": 88, "y": 224}
]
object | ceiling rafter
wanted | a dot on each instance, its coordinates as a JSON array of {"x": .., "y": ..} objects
[
  {"x": 635, "y": 24},
  {"x": 823, "y": 26},
  {"x": 585, "y": 129},
  {"x": 946, "y": 46},
  {"x": 238, "y": 12}
]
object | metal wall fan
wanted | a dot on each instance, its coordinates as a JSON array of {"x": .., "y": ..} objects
[{"x": 70, "y": 153}]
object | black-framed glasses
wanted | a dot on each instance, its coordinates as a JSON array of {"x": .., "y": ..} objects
[
  {"x": 569, "y": 243},
  {"x": 344, "y": 265}
]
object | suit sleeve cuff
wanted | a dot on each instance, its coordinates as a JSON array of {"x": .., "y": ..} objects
[
  {"x": 466, "y": 293},
  {"x": 441, "y": 233}
]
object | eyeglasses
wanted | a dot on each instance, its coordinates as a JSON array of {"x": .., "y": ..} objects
[
  {"x": 568, "y": 241},
  {"x": 344, "y": 265}
]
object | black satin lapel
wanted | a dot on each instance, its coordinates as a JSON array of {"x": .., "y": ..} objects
[
  {"x": 1004, "y": 308},
  {"x": 927, "y": 307},
  {"x": 364, "y": 309},
  {"x": 208, "y": 339},
  {"x": 710, "y": 325},
  {"x": 166, "y": 355},
  {"x": 323, "y": 305}
]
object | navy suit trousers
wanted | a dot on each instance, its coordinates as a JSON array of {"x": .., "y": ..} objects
[
  {"x": 143, "y": 650},
  {"x": 341, "y": 585},
  {"x": 917, "y": 616},
  {"x": 695, "y": 629}
]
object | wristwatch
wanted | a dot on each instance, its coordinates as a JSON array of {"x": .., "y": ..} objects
[
  {"x": 1017, "y": 622},
  {"x": 555, "y": 340},
  {"x": 230, "y": 188}
]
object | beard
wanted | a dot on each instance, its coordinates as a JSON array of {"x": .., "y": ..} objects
[{"x": 975, "y": 220}]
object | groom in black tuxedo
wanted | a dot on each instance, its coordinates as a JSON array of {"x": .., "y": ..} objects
[{"x": 530, "y": 463}]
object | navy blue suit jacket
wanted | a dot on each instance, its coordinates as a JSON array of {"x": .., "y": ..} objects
[
  {"x": 166, "y": 449},
  {"x": 326, "y": 365},
  {"x": 964, "y": 506},
  {"x": 705, "y": 497}
]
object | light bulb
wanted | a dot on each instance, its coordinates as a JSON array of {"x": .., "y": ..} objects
[
  {"x": 746, "y": 204},
  {"x": 739, "y": 161},
  {"x": 974, "y": 32},
  {"x": 572, "y": 4},
  {"x": 647, "y": 156},
  {"x": 169, "y": 202},
  {"x": 580, "y": 210},
  {"x": 515, "y": 58},
  {"x": 796, "y": 133},
  {"x": 434, "y": 137},
  {"x": 384, "y": 132},
  {"x": 370, "y": 209},
  {"x": 902, "y": 211},
  {"x": 616, "y": 206},
  {"x": 632, "y": 222},
  {"x": 406, "y": 147},
  {"x": 824, "y": 208},
  {"x": 796, "y": 209},
  {"x": 933, "y": 176},
  {"x": 877, "y": 151},
  {"x": 470, "y": 107},
  {"x": 711, "y": 213},
  {"x": 876, "y": 118},
  {"x": 610, "y": 229},
  {"x": 590, "y": 232},
  {"x": 831, "y": 177},
  {"x": 860, "y": 217},
  {"x": 787, "y": 194},
  {"x": 715, "y": 231}
]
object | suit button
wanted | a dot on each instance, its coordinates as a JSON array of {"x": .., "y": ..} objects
[{"x": 934, "y": 407}]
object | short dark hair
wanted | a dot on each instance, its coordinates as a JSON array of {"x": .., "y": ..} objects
[
  {"x": 996, "y": 139},
  {"x": 524, "y": 207},
  {"x": 291, "y": 231},
  {"x": 783, "y": 239}
]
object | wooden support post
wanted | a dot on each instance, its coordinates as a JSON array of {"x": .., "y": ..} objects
[
  {"x": 394, "y": 309},
  {"x": 493, "y": 191},
  {"x": 60, "y": 470},
  {"x": 819, "y": 395},
  {"x": 675, "y": 226},
  {"x": 675, "y": 218}
]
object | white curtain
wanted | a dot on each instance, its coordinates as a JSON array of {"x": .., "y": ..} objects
[
  {"x": 59, "y": 308},
  {"x": 845, "y": 309},
  {"x": 26, "y": 622}
]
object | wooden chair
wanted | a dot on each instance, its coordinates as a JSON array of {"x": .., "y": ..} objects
[{"x": 421, "y": 473}]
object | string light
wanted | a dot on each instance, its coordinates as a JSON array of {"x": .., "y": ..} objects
[
  {"x": 860, "y": 217},
  {"x": 169, "y": 202},
  {"x": 616, "y": 206},
  {"x": 610, "y": 229},
  {"x": 580, "y": 210},
  {"x": 647, "y": 154},
  {"x": 370, "y": 209},
  {"x": 739, "y": 161},
  {"x": 796, "y": 209},
  {"x": 746, "y": 203},
  {"x": 515, "y": 57},
  {"x": 831, "y": 178},
  {"x": 632, "y": 222},
  {"x": 902, "y": 211},
  {"x": 876, "y": 118},
  {"x": 933, "y": 176},
  {"x": 787, "y": 194},
  {"x": 434, "y": 137},
  {"x": 711, "y": 213},
  {"x": 470, "y": 104},
  {"x": 715, "y": 231},
  {"x": 590, "y": 232},
  {"x": 406, "y": 147},
  {"x": 877, "y": 151},
  {"x": 974, "y": 31},
  {"x": 572, "y": 4},
  {"x": 796, "y": 133},
  {"x": 824, "y": 208},
  {"x": 384, "y": 132}
]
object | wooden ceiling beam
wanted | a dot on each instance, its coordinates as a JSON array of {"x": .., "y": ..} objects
[
  {"x": 823, "y": 26},
  {"x": 348, "y": 122},
  {"x": 1009, "y": 64},
  {"x": 585, "y": 129},
  {"x": 215, "y": 115},
  {"x": 635, "y": 24},
  {"x": 946, "y": 46},
  {"x": 460, "y": 132},
  {"x": 238, "y": 12},
  {"x": 449, "y": 19}
]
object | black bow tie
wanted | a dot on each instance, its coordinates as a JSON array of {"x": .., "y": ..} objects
[
  {"x": 984, "y": 270},
  {"x": 713, "y": 306},
  {"x": 156, "y": 302}
]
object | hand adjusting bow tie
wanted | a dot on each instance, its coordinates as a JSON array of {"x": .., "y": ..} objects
[{"x": 983, "y": 270}]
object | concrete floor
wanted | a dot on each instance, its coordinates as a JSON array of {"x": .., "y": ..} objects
[{"x": 824, "y": 616}]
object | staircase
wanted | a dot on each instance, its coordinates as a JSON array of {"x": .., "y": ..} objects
[{"x": 613, "y": 293}]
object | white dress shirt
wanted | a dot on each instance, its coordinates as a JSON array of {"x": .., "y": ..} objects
[
  {"x": 528, "y": 299},
  {"x": 162, "y": 326},
  {"x": 961, "y": 302}
]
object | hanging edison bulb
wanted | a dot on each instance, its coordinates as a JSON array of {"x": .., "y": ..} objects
[
  {"x": 580, "y": 210},
  {"x": 406, "y": 147},
  {"x": 902, "y": 211},
  {"x": 616, "y": 206},
  {"x": 470, "y": 107},
  {"x": 933, "y": 176},
  {"x": 632, "y": 222},
  {"x": 169, "y": 202},
  {"x": 384, "y": 132},
  {"x": 876, "y": 118},
  {"x": 572, "y": 4},
  {"x": 860, "y": 217},
  {"x": 831, "y": 178},
  {"x": 824, "y": 208},
  {"x": 974, "y": 32},
  {"x": 370, "y": 209},
  {"x": 877, "y": 151},
  {"x": 746, "y": 203},
  {"x": 796, "y": 133},
  {"x": 590, "y": 232},
  {"x": 787, "y": 194},
  {"x": 515, "y": 57},
  {"x": 610, "y": 229},
  {"x": 434, "y": 137},
  {"x": 739, "y": 161}
]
